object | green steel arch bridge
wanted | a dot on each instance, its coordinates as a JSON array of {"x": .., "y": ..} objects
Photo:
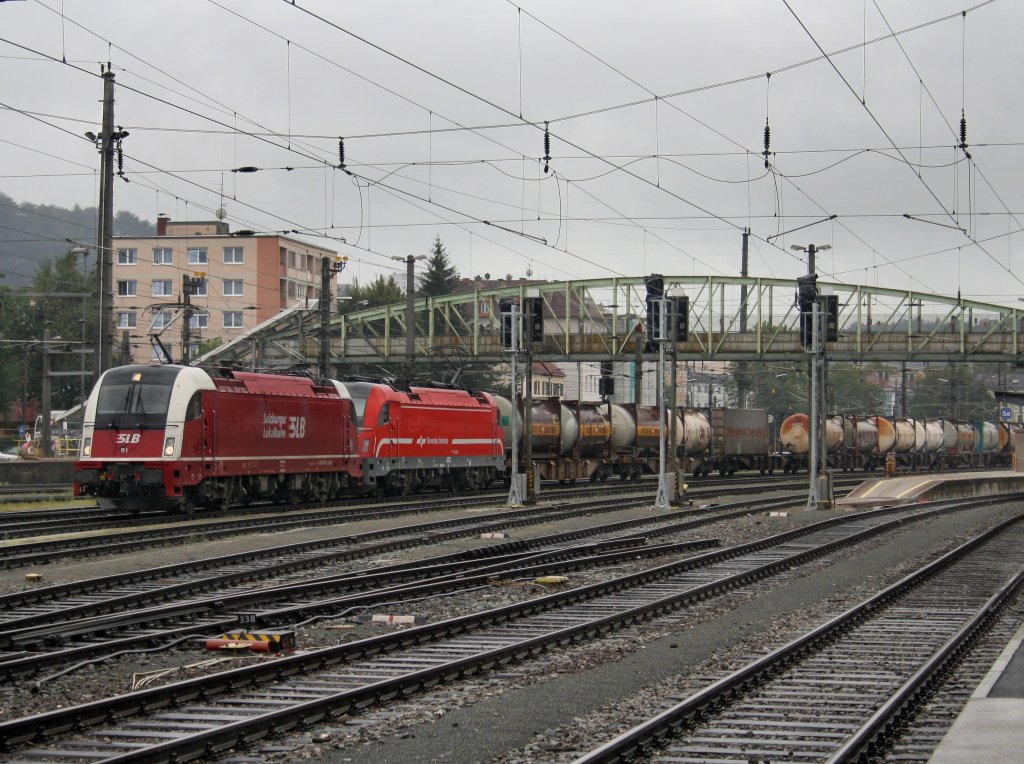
[{"x": 731, "y": 318}]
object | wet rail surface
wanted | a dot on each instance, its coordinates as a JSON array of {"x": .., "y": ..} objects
[
  {"x": 257, "y": 519},
  {"x": 196, "y": 717},
  {"x": 65, "y": 623},
  {"x": 843, "y": 691}
]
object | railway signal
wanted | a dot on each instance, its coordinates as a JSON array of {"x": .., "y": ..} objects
[
  {"x": 509, "y": 313},
  {"x": 830, "y": 303},
  {"x": 655, "y": 284},
  {"x": 533, "y": 315},
  {"x": 679, "y": 319},
  {"x": 806, "y": 295}
]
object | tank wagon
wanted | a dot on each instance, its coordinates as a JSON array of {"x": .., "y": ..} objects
[
  {"x": 180, "y": 437},
  {"x": 863, "y": 442},
  {"x": 572, "y": 440}
]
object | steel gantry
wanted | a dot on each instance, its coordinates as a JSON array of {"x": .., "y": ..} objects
[{"x": 603, "y": 319}]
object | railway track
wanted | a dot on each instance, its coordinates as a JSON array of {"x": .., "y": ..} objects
[
  {"x": 26, "y": 494},
  {"x": 843, "y": 691},
  {"x": 170, "y": 531},
  {"x": 202, "y": 716},
  {"x": 61, "y": 624}
]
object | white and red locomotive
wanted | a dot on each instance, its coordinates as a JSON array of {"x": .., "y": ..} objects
[{"x": 162, "y": 437}]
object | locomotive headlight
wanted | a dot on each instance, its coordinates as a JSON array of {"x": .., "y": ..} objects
[
  {"x": 87, "y": 447},
  {"x": 168, "y": 446}
]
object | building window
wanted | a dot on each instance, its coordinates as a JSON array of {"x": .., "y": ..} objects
[
  {"x": 234, "y": 255},
  {"x": 127, "y": 320},
  {"x": 232, "y": 287},
  {"x": 127, "y": 257},
  {"x": 197, "y": 256},
  {"x": 202, "y": 289},
  {"x": 163, "y": 287},
  {"x": 232, "y": 319},
  {"x": 300, "y": 291},
  {"x": 291, "y": 259},
  {"x": 162, "y": 319},
  {"x": 201, "y": 321},
  {"x": 163, "y": 256},
  {"x": 127, "y": 288}
]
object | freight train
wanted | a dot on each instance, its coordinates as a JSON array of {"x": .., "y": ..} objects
[
  {"x": 574, "y": 440},
  {"x": 180, "y": 437},
  {"x": 863, "y": 442}
]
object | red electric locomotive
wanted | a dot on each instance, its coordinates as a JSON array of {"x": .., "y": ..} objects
[
  {"x": 426, "y": 437},
  {"x": 160, "y": 437}
]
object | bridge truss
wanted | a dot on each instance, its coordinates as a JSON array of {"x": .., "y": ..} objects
[{"x": 731, "y": 318}]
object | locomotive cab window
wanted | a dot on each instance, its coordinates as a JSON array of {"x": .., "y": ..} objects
[
  {"x": 385, "y": 414},
  {"x": 195, "y": 407},
  {"x": 131, "y": 398}
]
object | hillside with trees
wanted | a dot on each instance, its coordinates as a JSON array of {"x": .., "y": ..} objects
[{"x": 34, "y": 234}]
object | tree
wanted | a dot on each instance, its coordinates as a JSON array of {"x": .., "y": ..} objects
[
  {"x": 48, "y": 303},
  {"x": 951, "y": 391},
  {"x": 850, "y": 393},
  {"x": 441, "y": 276},
  {"x": 779, "y": 387},
  {"x": 381, "y": 291}
]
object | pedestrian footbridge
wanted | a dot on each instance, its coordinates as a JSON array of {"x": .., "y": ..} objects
[{"x": 731, "y": 318}]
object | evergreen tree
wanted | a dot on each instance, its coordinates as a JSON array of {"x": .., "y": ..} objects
[
  {"x": 381, "y": 291},
  {"x": 441, "y": 276}
]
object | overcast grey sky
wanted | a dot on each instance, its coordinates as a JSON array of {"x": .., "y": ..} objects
[{"x": 656, "y": 112}]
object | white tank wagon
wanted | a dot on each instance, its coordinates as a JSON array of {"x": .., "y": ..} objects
[
  {"x": 571, "y": 440},
  {"x": 915, "y": 443}
]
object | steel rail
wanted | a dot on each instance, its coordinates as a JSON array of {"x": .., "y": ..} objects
[
  {"x": 80, "y": 718},
  {"x": 26, "y": 553},
  {"x": 42, "y": 629},
  {"x": 655, "y": 732}
]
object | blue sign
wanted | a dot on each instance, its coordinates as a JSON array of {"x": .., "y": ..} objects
[
  {"x": 1006, "y": 413},
  {"x": 21, "y": 431}
]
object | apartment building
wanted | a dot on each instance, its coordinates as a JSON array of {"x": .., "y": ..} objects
[{"x": 243, "y": 280}]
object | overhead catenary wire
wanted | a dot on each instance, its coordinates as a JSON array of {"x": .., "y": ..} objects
[{"x": 565, "y": 176}]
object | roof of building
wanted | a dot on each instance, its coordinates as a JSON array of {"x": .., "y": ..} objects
[{"x": 547, "y": 369}]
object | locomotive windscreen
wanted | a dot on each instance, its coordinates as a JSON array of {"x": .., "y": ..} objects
[{"x": 135, "y": 397}]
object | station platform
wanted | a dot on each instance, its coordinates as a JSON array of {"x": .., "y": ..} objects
[
  {"x": 991, "y": 726},
  {"x": 909, "y": 489}
]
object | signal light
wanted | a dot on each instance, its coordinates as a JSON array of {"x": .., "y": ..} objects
[
  {"x": 533, "y": 314},
  {"x": 508, "y": 334},
  {"x": 830, "y": 303},
  {"x": 806, "y": 294},
  {"x": 679, "y": 319},
  {"x": 655, "y": 284}
]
